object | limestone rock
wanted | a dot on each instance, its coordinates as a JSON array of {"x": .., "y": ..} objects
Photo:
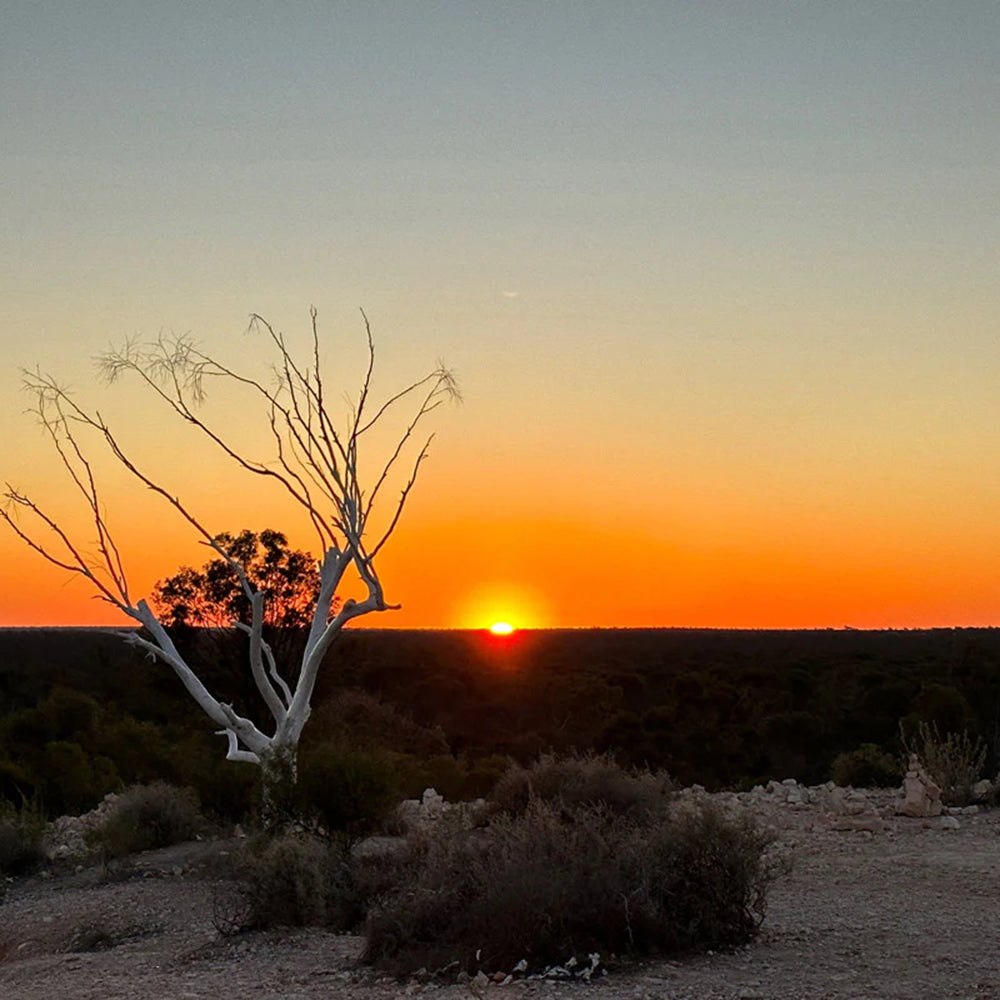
[{"x": 921, "y": 794}]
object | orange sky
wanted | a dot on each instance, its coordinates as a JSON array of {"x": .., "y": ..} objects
[{"x": 718, "y": 281}]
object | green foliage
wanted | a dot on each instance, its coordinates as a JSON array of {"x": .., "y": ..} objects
[
  {"x": 941, "y": 705},
  {"x": 346, "y": 790},
  {"x": 69, "y": 780},
  {"x": 724, "y": 709},
  {"x": 21, "y": 833},
  {"x": 954, "y": 761},
  {"x": 867, "y": 767},
  {"x": 213, "y": 596},
  {"x": 363, "y": 720},
  {"x": 551, "y": 882},
  {"x": 145, "y": 817}
]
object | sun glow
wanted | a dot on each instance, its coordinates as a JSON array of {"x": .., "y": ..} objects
[{"x": 501, "y": 607}]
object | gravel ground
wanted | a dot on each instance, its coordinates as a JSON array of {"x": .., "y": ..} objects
[{"x": 907, "y": 913}]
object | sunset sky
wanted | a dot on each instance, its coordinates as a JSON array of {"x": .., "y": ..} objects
[{"x": 719, "y": 281}]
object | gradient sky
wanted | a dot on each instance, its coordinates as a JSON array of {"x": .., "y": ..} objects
[{"x": 719, "y": 281}]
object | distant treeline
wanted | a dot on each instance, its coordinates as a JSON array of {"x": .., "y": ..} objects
[{"x": 722, "y": 708}]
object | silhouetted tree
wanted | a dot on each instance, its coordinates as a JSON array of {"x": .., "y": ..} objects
[
  {"x": 315, "y": 460},
  {"x": 214, "y": 596}
]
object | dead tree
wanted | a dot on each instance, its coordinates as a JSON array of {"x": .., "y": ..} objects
[{"x": 314, "y": 460}]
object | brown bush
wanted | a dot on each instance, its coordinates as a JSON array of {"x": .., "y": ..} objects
[
  {"x": 954, "y": 761},
  {"x": 294, "y": 880},
  {"x": 581, "y": 780},
  {"x": 145, "y": 817},
  {"x": 550, "y": 883}
]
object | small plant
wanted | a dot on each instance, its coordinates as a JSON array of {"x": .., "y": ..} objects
[
  {"x": 580, "y": 780},
  {"x": 99, "y": 934},
  {"x": 146, "y": 817},
  {"x": 867, "y": 767},
  {"x": 954, "y": 761},
  {"x": 292, "y": 880}
]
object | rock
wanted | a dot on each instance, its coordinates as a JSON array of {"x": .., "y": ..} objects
[
  {"x": 948, "y": 823},
  {"x": 432, "y": 803},
  {"x": 982, "y": 791},
  {"x": 921, "y": 795},
  {"x": 858, "y": 824}
]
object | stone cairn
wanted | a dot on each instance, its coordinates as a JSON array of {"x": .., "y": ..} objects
[{"x": 921, "y": 794}]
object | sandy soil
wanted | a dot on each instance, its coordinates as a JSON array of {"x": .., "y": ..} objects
[{"x": 905, "y": 914}]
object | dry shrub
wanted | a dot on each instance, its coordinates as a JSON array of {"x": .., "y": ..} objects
[
  {"x": 581, "y": 780},
  {"x": 550, "y": 883},
  {"x": 145, "y": 817},
  {"x": 292, "y": 880},
  {"x": 104, "y": 933},
  {"x": 954, "y": 761}
]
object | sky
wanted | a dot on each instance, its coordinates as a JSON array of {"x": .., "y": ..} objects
[{"x": 718, "y": 280}]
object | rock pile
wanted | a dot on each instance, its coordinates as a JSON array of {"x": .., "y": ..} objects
[
  {"x": 431, "y": 808},
  {"x": 861, "y": 809},
  {"x": 66, "y": 837},
  {"x": 921, "y": 794}
]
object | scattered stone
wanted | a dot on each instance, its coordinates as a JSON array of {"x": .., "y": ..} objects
[{"x": 860, "y": 824}]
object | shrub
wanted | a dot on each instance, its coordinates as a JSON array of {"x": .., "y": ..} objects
[
  {"x": 293, "y": 880},
  {"x": 867, "y": 767},
  {"x": 547, "y": 883},
  {"x": 20, "y": 840},
  {"x": 580, "y": 780},
  {"x": 954, "y": 761},
  {"x": 145, "y": 817},
  {"x": 345, "y": 790},
  {"x": 70, "y": 780}
]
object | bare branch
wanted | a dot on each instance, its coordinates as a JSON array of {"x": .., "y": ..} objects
[{"x": 315, "y": 460}]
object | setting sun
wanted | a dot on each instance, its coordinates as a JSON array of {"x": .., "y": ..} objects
[{"x": 497, "y": 605}]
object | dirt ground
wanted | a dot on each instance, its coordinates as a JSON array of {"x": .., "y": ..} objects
[{"x": 909, "y": 913}]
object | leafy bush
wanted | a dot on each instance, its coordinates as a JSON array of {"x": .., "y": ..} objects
[
  {"x": 954, "y": 761},
  {"x": 292, "y": 880},
  {"x": 145, "y": 817},
  {"x": 547, "y": 883},
  {"x": 20, "y": 840},
  {"x": 867, "y": 767},
  {"x": 346, "y": 790},
  {"x": 580, "y": 780}
]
